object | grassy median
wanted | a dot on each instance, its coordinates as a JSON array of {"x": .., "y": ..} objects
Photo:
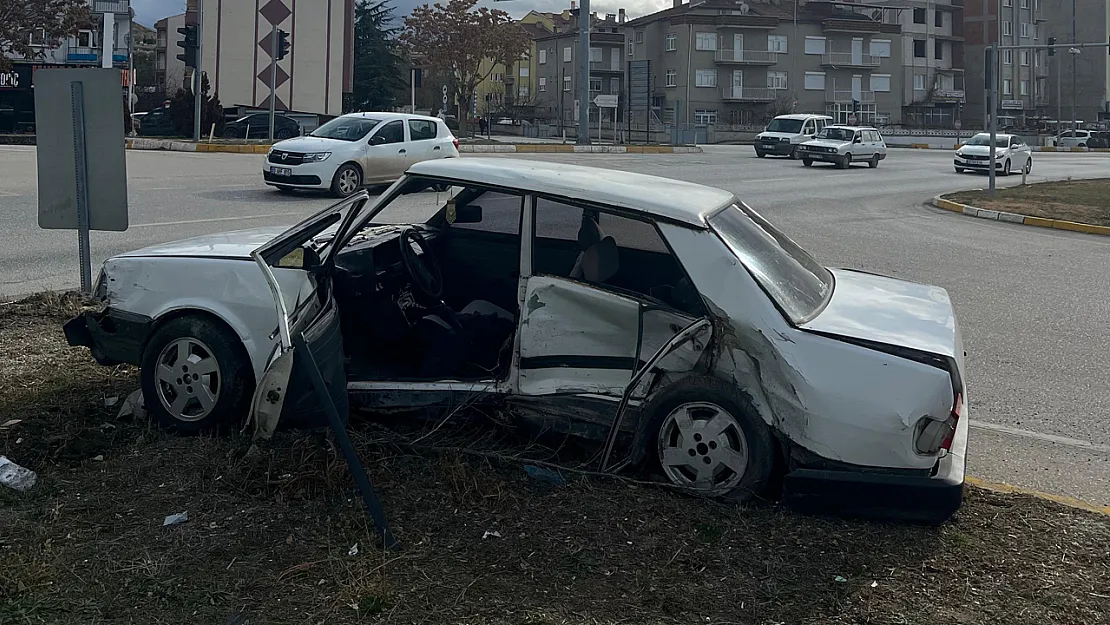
[
  {"x": 1084, "y": 201},
  {"x": 271, "y": 532}
]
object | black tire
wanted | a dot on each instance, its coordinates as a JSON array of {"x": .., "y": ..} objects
[
  {"x": 232, "y": 133},
  {"x": 235, "y": 387},
  {"x": 760, "y": 153},
  {"x": 874, "y": 162},
  {"x": 808, "y": 162},
  {"x": 844, "y": 161},
  {"x": 706, "y": 390},
  {"x": 339, "y": 186},
  {"x": 284, "y": 133},
  {"x": 959, "y": 170},
  {"x": 1029, "y": 166},
  {"x": 794, "y": 153},
  {"x": 1006, "y": 168}
]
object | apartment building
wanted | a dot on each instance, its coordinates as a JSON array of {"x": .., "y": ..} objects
[
  {"x": 170, "y": 73},
  {"x": 557, "y": 71},
  {"x": 1091, "y": 73},
  {"x": 83, "y": 49},
  {"x": 740, "y": 62},
  {"x": 1022, "y": 77}
]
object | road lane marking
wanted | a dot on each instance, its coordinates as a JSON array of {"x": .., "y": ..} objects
[
  {"x": 187, "y": 222},
  {"x": 1048, "y": 438}
]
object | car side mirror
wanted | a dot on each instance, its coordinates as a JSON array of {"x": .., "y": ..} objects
[
  {"x": 858, "y": 139},
  {"x": 468, "y": 214},
  {"x": 377, "y": 140}
]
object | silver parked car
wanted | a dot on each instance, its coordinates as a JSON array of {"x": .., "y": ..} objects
[
  {"x": 668, "y": 319},
  {"x": 843, "y": 145}
]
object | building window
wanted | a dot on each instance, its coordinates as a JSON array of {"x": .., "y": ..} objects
[
  {"x": 919, "y": 48},
  {"x": 702, "y": 116},
  {"x": 595, "y": 55},
  {"x": 1025, "y": 57},
  {"x": 543, "y": 57},
  {"x": 938, "y": 52},
  {"x": 1007, "y": 3},
  {"x": 1008, "y": 28},
  {"x": 85, "y": 39},
  {"x": 566, "y": 83},
  {"x": 1036, "y": 31},
  {"x": 523, "y": 92},
  {"x": 1007, "y": 57},
  {"x": 880, "y": 48},
  {"x": 919, "y": 16},
  {"x": 815, "y": 81},
  {"x": 880, "y": 82},
  {"x": 37, "y": 37},
  {"x": 672, "y": 78},
  {"x": 706, "y": 78},
  {"x": 1025, "y": 4},
  {"x": 705, "y": 41},
  {"x": 777, "y": 43},
  {"x": 595, "y": 84},
  {"x": 919, "y": 82},
  {"x": 815, "y": 45},
  {"x": 670, "y": 42},
  {"x": 938, "y": 19},
  {"x": 523, "y": 72},
  {"x": 614, "y": 85},
  {"x": 639, "y": 36},
  {"x": 1025, "y": 30},
  {"x": 776, "y": 80},
  {"x": 543, "y": 84},
  {"x": 1007, "y": 87},
  {"x": 1025, "y": 87},
  {"x": 566, "y": 54}
]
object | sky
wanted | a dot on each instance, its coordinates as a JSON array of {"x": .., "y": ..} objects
[{"x": 149, "y": 11}]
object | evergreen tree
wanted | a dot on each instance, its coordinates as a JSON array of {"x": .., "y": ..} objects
[{"x": 377, "y": 64}]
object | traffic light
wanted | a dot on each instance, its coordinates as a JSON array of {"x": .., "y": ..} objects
[
  {"x": 1051, "y": 50},
  {"x": 188, "y": 44},
  {"x": 283, "y": 45}
]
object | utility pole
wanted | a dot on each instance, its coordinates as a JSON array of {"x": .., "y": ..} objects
[
  {"x": 273, "y": 76},
  {"x": 198, "y": 71},
  {"x": 584, "y": 73},
  {"x": 1074, "y": 56}
]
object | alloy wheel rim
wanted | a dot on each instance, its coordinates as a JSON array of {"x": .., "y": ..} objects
[
  {"x": 188, "y": 379},
  {"x": 702, "y": 448},
  {"x": 347, "y": 181}
]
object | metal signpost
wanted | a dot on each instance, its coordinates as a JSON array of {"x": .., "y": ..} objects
[
  {"x": 82, "y": 171},
  {"x": 605, "y": 101},
  {"x": 198, "y": 72},
  {"x": 584, "y": 73}
]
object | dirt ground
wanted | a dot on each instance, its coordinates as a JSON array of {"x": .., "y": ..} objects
[
  {"x": 271, "y": 533},
  {"x": 1084, "y": 201}
]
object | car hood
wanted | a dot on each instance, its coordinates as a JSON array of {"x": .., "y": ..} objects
[
  {"x": 826, "y": 143},
  {"x": 776, "y": 135},
  {"x": 892, "y": 312},
  {"x": 312, "y": 144},
  {"x": 981, "y": 150},
  {"x": 236, "y": 244}
]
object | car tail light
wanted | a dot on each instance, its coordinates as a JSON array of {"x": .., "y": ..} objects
[
  {"x": 934, "y": 435},
  {"x": 957, "y": 413},
  {"x": 455, "y": 140}
]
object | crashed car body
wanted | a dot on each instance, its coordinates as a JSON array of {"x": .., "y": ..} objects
[{"x": 577, "y": 297}]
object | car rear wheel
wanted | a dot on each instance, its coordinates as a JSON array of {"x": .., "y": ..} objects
[
  {"x": 874, "y": 162},
  {"x": 808, "y": 162},
  {"x": 844, "y": 161},
  {"x": 346, "y": 181},
  {"x": 232, "y": 133},
  {"x": 709, "y": 440},
  {"x": 284, "y": 133},
  {"x": 195, "y": 375}
]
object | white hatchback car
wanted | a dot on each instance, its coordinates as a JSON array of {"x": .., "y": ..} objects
[
  {"x": 668, "y": 319},
  {"x": 1010, "y": 154},
  {"x": 357, "y": 149}
]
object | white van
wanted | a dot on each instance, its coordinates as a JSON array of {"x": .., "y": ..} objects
[{"x": 785, "y": 132}]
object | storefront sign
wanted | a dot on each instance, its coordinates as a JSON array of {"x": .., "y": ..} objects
[{"x": 18, "y": 78}]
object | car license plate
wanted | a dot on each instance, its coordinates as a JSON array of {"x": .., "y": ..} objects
[{"x": 281, "y": 171}]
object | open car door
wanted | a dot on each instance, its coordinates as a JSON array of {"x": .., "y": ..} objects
[{"x": 285, "y": 391}]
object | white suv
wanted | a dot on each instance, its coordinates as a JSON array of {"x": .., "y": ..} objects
[
  {"x": 357, "y": 149},
  {"x": 785, "y": 132}
]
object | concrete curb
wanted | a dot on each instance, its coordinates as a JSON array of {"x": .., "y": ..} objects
[
  {"x": 1071, "y": 502},
  {"x": 1015, "y": 218},
  {"x": 530, "y": 148}
]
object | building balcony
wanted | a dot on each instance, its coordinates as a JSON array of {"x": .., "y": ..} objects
[
  {"x": 746, "y": 57},
  {"x": 602, "y": 66},
  {"x": 1041, "y": 71},
  {"x": 852, "y": 26},
  {"x": 83, "y": 55},
  {"x": 849, "y": 59},
  {"x": 837, "y": 96},
  {"x": 748, "y": 94}
]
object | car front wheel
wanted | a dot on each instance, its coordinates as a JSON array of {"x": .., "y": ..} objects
[
  {"x": 844, "y": 161},
  {"x": 1028, "y": 166},
  {"x": 709, "y": 439},
  {"x": 346, "y": 181},
  {"x": 808, "y": 162},
  {"x": 195, "y": 375},
  {"x": 1006, "y": 168},
  {"x": 959, "y": 170},
  {"x": 760, "y": 153}
]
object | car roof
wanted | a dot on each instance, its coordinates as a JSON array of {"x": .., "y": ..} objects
[
  {"x": 392, "y": 116},
  {"x": 802, "y": 116},
  {"x": 997, "y": 134},
  {"x": 847, "y": 127},
  {"x": 673, "y": 200}
]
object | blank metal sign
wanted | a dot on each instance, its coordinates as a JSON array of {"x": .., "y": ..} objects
[{"x": 104, "y": 148}]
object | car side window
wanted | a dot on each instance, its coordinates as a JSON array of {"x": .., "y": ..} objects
[
  {"x": 421, "y": 129},
  {"x": 500, "y": 212},
  {"x": 809, "y": 128},
  {"x": 1014, "y": 142},
  {"x": 393, "y": 132}
]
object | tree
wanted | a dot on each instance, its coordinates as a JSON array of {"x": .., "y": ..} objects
[
  {"x": 211, "y": 112},
  {"x": 377, "y": 65},
  {"x": 42, "y": 22},
  {"x": 464, "y": 42}
]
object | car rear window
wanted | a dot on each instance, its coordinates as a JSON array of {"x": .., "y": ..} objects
[{"x": 789, "y": 275}]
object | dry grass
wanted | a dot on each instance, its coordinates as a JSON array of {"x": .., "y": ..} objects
[
  {"x": 1084, "y": 201},
  {"x": 269, "y": 533}
]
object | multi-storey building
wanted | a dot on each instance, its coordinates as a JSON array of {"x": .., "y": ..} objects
[
  {"x": 557, "y": 75},
  {"x": 1091, "y": 73},
  {"x": 170, "y": 73},
  {"x": 1022, "y": 76},
  {"x": 734, "y": 61},
  {"x": 84, "y": 49}
]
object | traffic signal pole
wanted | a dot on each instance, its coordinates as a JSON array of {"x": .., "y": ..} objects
[
  {"x": 273, "y": 75},
  {"x": 198, "y": 70}
]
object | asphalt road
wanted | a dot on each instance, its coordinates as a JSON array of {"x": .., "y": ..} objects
[{"x": 1031, "y": 302}]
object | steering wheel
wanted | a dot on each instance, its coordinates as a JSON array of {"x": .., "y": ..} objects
[{"x": 422, "y": 268}]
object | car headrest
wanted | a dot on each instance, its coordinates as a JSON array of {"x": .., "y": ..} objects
[
  {"x": 601, "y": 261},
  {"x": 589, "y": 233}
]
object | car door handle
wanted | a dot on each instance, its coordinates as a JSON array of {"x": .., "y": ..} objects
[
  {"x": 400, "y": 151},
  {"x": 436, "y": 148}
]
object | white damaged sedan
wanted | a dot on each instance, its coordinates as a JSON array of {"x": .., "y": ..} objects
[{"x": 667, "y": 319}]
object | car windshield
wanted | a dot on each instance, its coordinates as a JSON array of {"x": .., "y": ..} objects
[
  {"x": 836, "y": 134},
  {"x": 346, "y": 128},
  {"x": 790, "y": 276},
  {"x": 785, "y": 125},
  {"x": 985, "y": 139}
]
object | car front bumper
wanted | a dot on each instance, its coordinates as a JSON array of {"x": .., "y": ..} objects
[
  {"x": 304, "y": 176},
  {"x": 113, "y": 336},
  {"x": 779, "y": 148},
  {"x": 830, "y": 157},
  {"x": 983, "y": 165},
  {"x": 870, "y": 494}
]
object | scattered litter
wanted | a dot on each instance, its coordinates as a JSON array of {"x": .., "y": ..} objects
[
  {"x": 544, "y": 474},
  {"x": 494, "y": 533},
  {"x": 133, "y": 406},
  {"x": 174, "y": 519},
  {"x": 9, "y": 423},
  {"x": 840, "y": 579},
  {"x": 19, "y": 440},
  {"x": 110, "y": 401},
  {"x": 98, "y": 458},
  {"x": 353, "y": 551},
  {"x": 874, "y": 584},
  {"x": 14, "y": 476},
  {"x": 107, "y": 426}
]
